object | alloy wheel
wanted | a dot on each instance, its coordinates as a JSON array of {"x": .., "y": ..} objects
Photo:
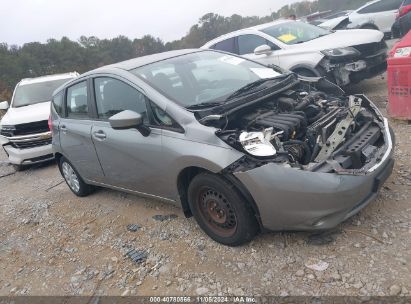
[{"x": 71, "y": 177}]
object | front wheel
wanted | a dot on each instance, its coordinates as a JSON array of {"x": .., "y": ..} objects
[
  {"x": 73, "y": 179},
  {"x": 221, "y": 211}
]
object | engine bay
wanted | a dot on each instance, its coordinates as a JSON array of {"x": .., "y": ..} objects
[{"x": 307, "y": 130}]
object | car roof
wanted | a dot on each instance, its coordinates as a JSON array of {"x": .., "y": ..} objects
[
  {"x": 145, "y": 60},
  {"x": 367, "y": 4},
  {"x": 246, "y": 30},
  {"x": 48, "y": 78}
]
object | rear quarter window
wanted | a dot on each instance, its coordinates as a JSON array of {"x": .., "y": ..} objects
[
  {"x": 381, "y": 6},
  {"x": 58, "y": 103}
]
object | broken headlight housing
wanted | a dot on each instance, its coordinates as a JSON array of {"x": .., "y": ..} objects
[
  {"x": 258, "y": 143},
  {"x": 341, "y": 52}
]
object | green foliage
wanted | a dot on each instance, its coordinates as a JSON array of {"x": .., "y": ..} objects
[{"x": 60, "y": 56}]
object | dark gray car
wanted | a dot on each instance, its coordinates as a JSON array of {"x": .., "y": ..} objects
[
  {"x": 404, "y": 17},
  {"x": 241, "y": 146}
]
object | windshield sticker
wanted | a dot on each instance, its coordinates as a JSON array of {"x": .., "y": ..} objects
[
  {"x": 287, "y": 38},
  {"x": 265, "y": 73},
  {"x": 232, "y": 60}
]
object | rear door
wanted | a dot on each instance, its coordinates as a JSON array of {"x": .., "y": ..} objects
[
  {"x": 129, "y": 160},
  {"x": 383, "y": 13},
  {"x": 75, "y": 132}
]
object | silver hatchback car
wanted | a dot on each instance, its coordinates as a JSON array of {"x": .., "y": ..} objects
[{"x": 240, "y": 146}]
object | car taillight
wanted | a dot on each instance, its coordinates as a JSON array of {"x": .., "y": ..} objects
[
  {"x": 49, "y": 123},
  {"x": 404, "y": 10}
]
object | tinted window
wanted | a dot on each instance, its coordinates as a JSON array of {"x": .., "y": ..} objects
[
  {"x": 407, "y": 2},
  {"x": 381, "y": 6},
  {"x": 161, "y": 118},
  {"x": 248, "y": 43},
  {"x": 77, "y": 106},
  {"x": 58, "y": 103},
  {"x": 114, "y": 96},
  {"x": 226, "y": 46}
]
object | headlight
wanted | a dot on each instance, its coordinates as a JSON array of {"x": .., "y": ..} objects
[
  {"x": 258, "y": 143},
  {"x": 7, "y": 130},
  {"x": 341, "y": 52}
]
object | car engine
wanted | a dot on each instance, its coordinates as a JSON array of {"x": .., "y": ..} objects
[{"x": 307, "y": 130}]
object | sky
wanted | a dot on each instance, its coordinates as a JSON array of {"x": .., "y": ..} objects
[{"x": 24, "y": 21}]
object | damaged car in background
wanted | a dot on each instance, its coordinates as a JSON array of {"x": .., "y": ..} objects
[
  {"x": 24, "y": 131},
  {"x": 242, "y": 147},
  {"x": 343, "y": 57}
]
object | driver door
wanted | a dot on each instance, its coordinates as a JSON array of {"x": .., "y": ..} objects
[
  {"x": 248, "y": 43},
  {"x": 128, "y": 159}
]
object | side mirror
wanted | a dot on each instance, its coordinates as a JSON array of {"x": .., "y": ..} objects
[
  {"x": 4, "y": 105},
  {"x": 128, "y": 120},
  {"x": 263, "y": 50}
]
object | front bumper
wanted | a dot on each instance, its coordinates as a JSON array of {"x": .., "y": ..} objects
[
  {"x": 290, "y": 199},
  {"x": 29, "y": 156},
  {"x": 28, "y": 149},
  {"x": 345, "y": 73}
]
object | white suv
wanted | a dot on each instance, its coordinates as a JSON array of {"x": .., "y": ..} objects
[
  {"x": 24, "y": 130},
  {"x": 378, "y": 14},
  {"x": 341, "y": 56}
]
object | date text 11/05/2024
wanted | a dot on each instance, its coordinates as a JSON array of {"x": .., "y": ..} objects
[{"x": 203, "y": 299}]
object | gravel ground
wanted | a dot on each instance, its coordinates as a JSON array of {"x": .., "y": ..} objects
[{"x": 53, "y": 243}]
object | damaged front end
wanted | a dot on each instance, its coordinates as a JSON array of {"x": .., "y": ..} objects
[
  {"x": 311, "y": 127},
  {"x": 313, "y": 157},
  {"x": 356, "y": 63}
]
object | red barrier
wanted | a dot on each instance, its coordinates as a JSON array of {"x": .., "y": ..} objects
[{"x": 399, "y": 79}]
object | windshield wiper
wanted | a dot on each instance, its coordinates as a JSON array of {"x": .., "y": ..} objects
[
  {"x": 249, "y": 87},
  {"x": 204, "y": 105}
]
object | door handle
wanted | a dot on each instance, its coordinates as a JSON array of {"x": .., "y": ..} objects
[
  {"x": 63, "y": 128},
  {"x": 100, "y": 135}
]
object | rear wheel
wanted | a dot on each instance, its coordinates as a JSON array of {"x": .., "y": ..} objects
[
  {"x": 221, "y": 211},
  {"x": 73, "y": 179}
]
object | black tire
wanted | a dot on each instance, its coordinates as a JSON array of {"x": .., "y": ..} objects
[
  {"x": 79, "y": 187},
  {"x": 19, "y": 168},
  {"x": 221, "y": 211}
]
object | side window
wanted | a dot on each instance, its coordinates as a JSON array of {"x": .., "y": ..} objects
[
  {"x": 248, "y": 43},
  {"x": 161, "y": 118},
  {"x": 381, "y": 6},
  {"x": 58, "y": 103},
  {"x": 114, "y": 96},
  {"x": 227, "y": 45},
  {"x": 77, "y": 106}
]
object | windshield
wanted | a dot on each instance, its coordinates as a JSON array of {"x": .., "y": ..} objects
[
  {"x": 295, "y": 32},
  {"x": 203, "y": 77},
  {"x": 28, "y": 94}
]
